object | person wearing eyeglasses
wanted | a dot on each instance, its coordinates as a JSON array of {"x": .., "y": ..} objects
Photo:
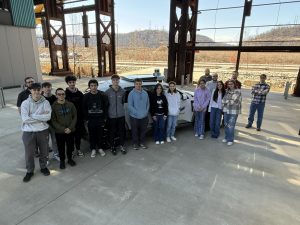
[
  {"x": 63, "y": 120},
  {"x": 23, "y": 95}
]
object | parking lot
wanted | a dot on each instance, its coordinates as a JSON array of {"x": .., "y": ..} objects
[{"x": 188, "y": 182}]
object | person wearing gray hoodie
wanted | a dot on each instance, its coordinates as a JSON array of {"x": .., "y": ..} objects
[
  {"x": 116, "y": 114},
  {"x": 35, "y": 112}
]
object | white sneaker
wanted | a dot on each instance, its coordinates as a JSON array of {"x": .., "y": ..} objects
[
  {"x": 168, "y": 139},
  {"x": 157, "y": 142},
  {"x": 93, "y": 154},
  {"x": 229, "y": 143},
  {"x": 173, "y": 138},
  {"x": 224, "y": 140},
  {"x": 162, "y": 142},
  {"x": 196, "y": 135},
  {"x": 56, "y": 157},
  {"x": 101, "y": 152},
  {"x": 201, "y": 137}
]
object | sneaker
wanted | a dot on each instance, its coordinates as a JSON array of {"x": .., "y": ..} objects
[
  {"x": 258, "y": 129},
  {"x": 248, "y": 126},
  {"x": 201, "y": 137},
  {"x": 27, "y": 177},
  {"x": 162, "y": 142},
  {"x": 173, "y": 138},
  {"x": 143, "y": 146},
  {"x": 168, "y": 139},
  {"x": 101, "y": 152},
  {"x": 56, "y": 157},
  {"x": 62, "y": 165},
  {"x": 80, "y": 153},
  {"x": 196, "y": 135},
  {"x": 45, "y": 171},
  {"x": 71, "y": 162},
  {"x": 229, "y": 143},
  {"x": 93, "y": 154},
  {"x": 135, "y": 147},
  {"x": 113, "y": 151},
  {"x": 224, "y": 140},
  {"x": 157, "y": 143},
  {"x": 123, "y": 150}
]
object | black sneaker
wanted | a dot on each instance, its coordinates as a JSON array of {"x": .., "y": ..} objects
[
  {"x": 27, "y": 177},
  {"x": 123, "y": 150},
  {"x": 62, "y": 165},
  {"x": 143, "y": 146},
  {"x": 71, "y": 162},
  {"x": 45, "y": 171},
  {"x": 135, "y": 147},
  {"x": 113, "y": 151},
  {"x": 248, "y": 126},
  {"x": 258, "y": 129}
]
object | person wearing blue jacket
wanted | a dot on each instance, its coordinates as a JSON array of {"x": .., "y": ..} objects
[{"x": 138, "y": 109}]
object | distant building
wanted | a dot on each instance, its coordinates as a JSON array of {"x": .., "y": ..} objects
[{"x": 19, "y": 55}]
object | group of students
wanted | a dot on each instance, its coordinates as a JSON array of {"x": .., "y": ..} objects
[
  {"x": 65, "y": 116},
  {"x": 213, "y": 98}
]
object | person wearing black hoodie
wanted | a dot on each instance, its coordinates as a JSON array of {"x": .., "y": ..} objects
[
  {"x": 76, "y": 97},
  {"x": 95, "y": 107},
  {"x": 159, "y": 113}
]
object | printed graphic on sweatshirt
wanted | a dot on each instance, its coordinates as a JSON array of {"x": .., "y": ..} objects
[
  {"x": 95, "y": 109},
  {"x": 160, "y": 103}
]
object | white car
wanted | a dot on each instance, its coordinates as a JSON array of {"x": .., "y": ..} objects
[{"x": 186, "y": 114}]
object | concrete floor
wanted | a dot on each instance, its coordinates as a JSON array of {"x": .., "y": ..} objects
[{"x": 191, "y": 182}]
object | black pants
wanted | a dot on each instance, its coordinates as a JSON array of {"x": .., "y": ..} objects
[
  {"x": 138, "y": 130},
  {"x": 63, "y": 140},
  {"x": 116, "y": 129},
  {"x": 207, "y": 120},
  {"x": 96, "y": 134},
  {"x": 78, "y": 134}
]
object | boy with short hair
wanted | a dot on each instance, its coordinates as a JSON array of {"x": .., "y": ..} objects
[
  {"x": 95, "y": 113},
  {"x": 46, "y": 90},
  {"x": 35, "y": 112},
  {"x": 63, "y": 119},
  {"x": 76, "y": 97}
]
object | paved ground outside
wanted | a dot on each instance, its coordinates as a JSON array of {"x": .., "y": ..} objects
[{"x": 188, "y": 182}]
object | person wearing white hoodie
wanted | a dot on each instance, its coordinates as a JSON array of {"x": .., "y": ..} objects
[
  {"x": 173, "y": 98},
  {"x": 35, "y": 112}
]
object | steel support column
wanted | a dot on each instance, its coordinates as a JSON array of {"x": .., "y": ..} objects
[
  {"x": 183, "y": 27},
  {"x": 246, "y": 12},
  {"x": 297, "y": 87},
  {"x": 57, "y": 38},
  {"x": 105, "y": 37}
]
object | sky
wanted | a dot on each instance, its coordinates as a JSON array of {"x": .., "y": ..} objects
[{"x": 131, "y": 15}]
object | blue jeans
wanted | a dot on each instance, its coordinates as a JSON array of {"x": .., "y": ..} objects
[
  {"x": 230, "y": 121},
  {"x": 159, "y": 128},
  {"x": 215, "y": 121},
  {"x": 172, "y": 122},
  {"x": 260, "y": 112},
  {"x": 200, "y": 123}
]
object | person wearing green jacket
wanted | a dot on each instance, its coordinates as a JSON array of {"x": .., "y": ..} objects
[{"x": 63, "y": 120}]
